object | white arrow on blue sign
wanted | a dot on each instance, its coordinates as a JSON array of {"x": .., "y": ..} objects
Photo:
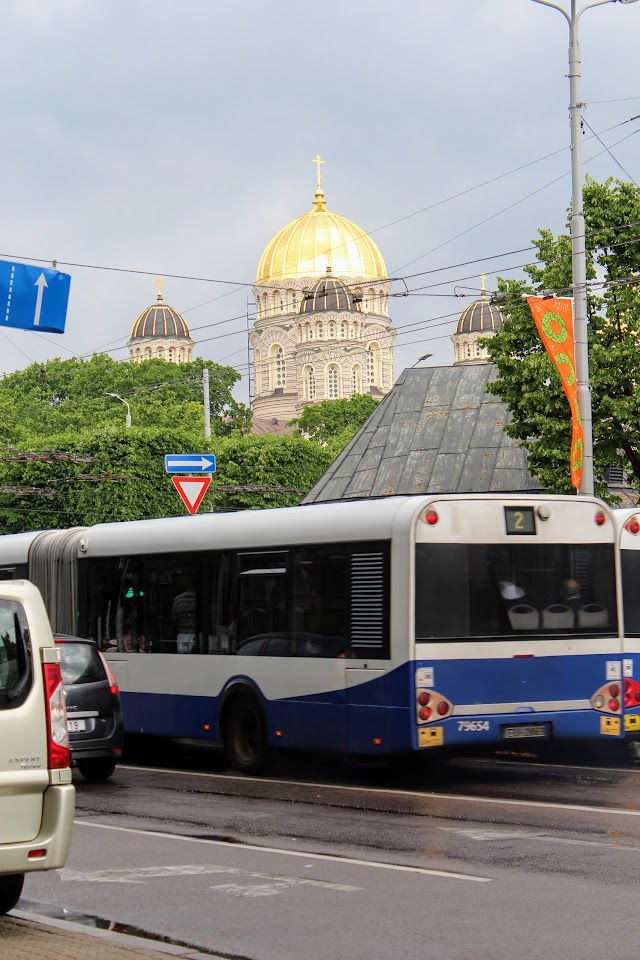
[
  {"x": 190, "y": 463},
  {"x": 33, "y": 299}
]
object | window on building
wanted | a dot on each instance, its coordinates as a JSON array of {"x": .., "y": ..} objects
[
  {"x": 277, "y": 367},
  {"x": 333, "y": 381},
  {"x": 308, "y": 383},
  {"x": 374, "y": 365},
  {"x": 356, "y": 378}
]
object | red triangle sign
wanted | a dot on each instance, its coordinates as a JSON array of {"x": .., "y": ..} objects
[{"x": 192, "y": 490}]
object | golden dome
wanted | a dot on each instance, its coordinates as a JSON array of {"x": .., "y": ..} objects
[{"x": 306, "y": 246}]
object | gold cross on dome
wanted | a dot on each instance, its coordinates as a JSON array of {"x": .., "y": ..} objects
[
  {"x": 159, "y": 286},
  {"x": 318, "y": 161}
]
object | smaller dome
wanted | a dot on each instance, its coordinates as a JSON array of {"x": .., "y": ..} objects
[
  {"x": 160, "y": 320},
  {"x": 328, "y": 294},
  {"x": 481, "y": 316}
]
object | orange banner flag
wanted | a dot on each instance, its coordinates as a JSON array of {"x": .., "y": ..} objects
[{"x": 554, "y": 319}]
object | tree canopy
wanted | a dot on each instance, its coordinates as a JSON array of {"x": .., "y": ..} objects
[
  {"x": 334, "y": 422},
  {"x": 527, "y": 380},
  {"x": 68, "y": 459}
]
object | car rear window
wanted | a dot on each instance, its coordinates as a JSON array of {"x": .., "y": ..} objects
[
  {"x": 80, "y": 663},
  {"x": 16, "y": 672}
]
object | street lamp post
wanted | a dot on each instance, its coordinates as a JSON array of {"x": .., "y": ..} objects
[
  {"x": 117, "y": 396},
  {"x": 578, "y": 239}
]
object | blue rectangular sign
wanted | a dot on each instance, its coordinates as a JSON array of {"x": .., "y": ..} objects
[
  {"x": 190, "y": 463},
  {"x": 32, "y": 298}
]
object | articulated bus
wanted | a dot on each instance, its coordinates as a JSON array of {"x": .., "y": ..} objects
[{"x": 373, "y": 627}]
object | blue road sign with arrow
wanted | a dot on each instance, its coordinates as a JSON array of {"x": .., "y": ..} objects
[
  {"x": 190, "y": 463},
  {"x": 32, "y": 298}
]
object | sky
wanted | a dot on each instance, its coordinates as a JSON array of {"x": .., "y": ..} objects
[{"x": 175, "y": 139}]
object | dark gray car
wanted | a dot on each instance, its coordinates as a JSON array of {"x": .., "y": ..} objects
[{"x": 93, "y": 708}]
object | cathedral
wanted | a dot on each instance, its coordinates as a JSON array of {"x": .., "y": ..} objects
[{"x": 322, "y": 329}]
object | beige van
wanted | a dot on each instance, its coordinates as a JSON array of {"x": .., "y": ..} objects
[{"x": 37, "y": 799}]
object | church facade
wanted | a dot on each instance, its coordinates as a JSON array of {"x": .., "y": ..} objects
[{"x": 322, "y": 329}]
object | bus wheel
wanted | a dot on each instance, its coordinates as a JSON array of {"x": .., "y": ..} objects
[{"x": 245, "y": 741}]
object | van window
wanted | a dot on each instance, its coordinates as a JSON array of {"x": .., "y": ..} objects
[{"x": 15, "y": 655}]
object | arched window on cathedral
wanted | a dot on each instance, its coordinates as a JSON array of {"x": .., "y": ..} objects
[
  {"x": 170, "y": 354},
  {"x": 320, "y": 328},
  {"x": 332, "y": 387},
  {"x": 356, "y": 378},
  {"x": 343, "y": 330},
  {"x": 280, "y": 302},
  {"x": 332, "y": 330},
  {"x": 308, "y": 383},
  {"x": 257, "y": 372},
  {"x": 138, "y": 354},
  {"x": 277, "y": 367},
  {"x": 147, "y": 353},
  {"x": 374, "y": 365}
]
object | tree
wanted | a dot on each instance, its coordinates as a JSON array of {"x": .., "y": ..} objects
[
  {"x": 334, "y": 422},
  {"x": 527, "y": 380},
  {"x": 69, "y": 395}
]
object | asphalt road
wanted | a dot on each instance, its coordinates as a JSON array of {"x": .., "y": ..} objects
[{"x": 509, "y": 857}]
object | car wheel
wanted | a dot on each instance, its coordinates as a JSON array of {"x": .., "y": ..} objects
[
  {"x": 245, "y": 739},
  {"x": 97, "y": 768},
  {"x": 10, "y": 890}
]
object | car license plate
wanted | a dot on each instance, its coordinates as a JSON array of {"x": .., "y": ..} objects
[
  {"x": 525, "y": 731},
  {"x": 77, "y": 726}
]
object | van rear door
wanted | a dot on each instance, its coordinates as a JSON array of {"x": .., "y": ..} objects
[{"x": 24, "y": 776}]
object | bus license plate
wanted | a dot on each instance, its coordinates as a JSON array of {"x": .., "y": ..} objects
[
  {"x": 525, "y": 731},
  {"x": 77, "y": 726}
]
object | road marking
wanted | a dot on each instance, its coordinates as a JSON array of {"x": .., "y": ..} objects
[
  {"x": 490, "y": 835},
  {"x": 413, "y": 794},
  {"x": 142, "y": 874},
  {"x": 399, "y": 868}
]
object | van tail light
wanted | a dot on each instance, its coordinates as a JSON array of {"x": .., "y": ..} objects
[
  {"x": 113, "y": 683},
  {"x": 58, "y": 753}
]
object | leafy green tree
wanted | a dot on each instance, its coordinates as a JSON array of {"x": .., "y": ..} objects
[
  {"x": 334, "y": 422},
  {"x": 70, "y": 395},
  {"x": 527, "y": 380}
]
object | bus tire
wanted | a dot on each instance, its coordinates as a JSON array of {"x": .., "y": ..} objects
[
  {"x": 245, "y": 739},
  {"x": 10, "y": 890}
]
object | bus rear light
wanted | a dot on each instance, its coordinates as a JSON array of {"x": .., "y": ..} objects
[
  {"x": 631, "y": 693},
  {"x": 633, "y": 526},
  {"x": 430, "y": 517},
  {"x": 607, "y": 698},
  {"x": 431, "y": 706},
  {"x": 599, "y": 518}
]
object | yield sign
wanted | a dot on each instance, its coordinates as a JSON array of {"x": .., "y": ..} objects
[{"x": 192, "y": 490}]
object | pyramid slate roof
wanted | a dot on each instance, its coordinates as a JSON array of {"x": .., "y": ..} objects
[{"x": 437, "y": 431}]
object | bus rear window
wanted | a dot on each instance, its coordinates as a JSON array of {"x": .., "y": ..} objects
[
  {"x": 497, "y": 590},
  {"x": 630, "y": 562}
]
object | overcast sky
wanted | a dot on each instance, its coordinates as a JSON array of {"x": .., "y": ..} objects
[{"x": 178, "y": 137}]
